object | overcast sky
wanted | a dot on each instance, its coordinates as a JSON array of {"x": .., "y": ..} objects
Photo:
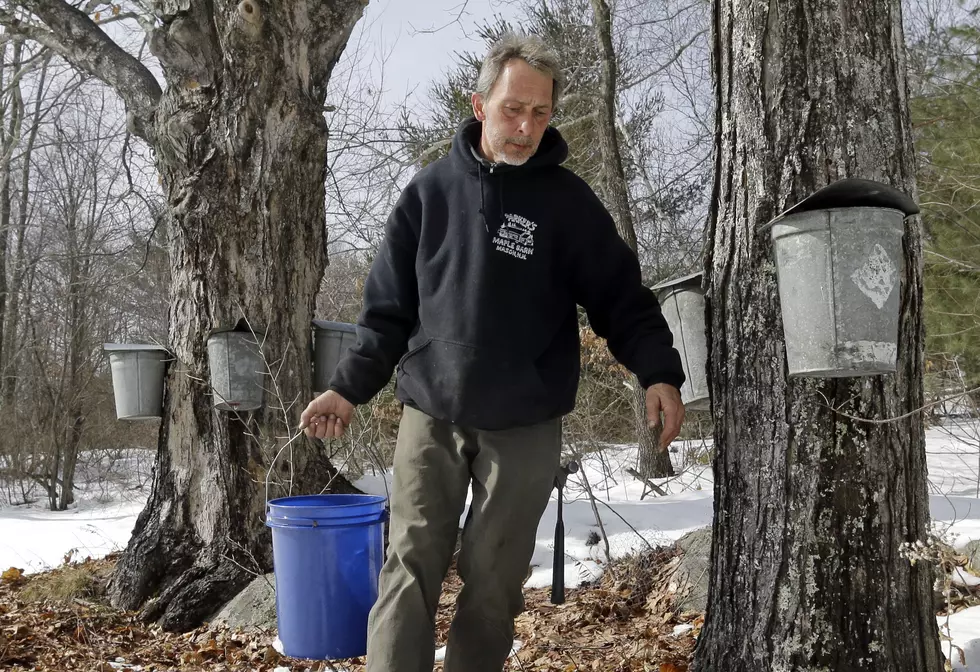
[{"x": 397, "y": 30}]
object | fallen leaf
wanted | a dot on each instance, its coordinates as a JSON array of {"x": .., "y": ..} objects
[
  {"x": 191, "y": 658},
  {"x": 672, "y": 667},
  {"x": 12, "y": 574}
]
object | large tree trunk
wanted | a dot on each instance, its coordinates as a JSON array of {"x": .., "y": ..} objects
[
  {"x": 651, "y": 461},
  {"x": 810, "y": 508},
  {"x": 240, "y": 143}
]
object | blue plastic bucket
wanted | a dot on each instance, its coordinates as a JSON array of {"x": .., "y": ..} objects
[{"x": 327, "y": 555}]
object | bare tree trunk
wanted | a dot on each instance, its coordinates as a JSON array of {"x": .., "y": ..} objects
[
  {"x": 9, "y": 345},
  {"x": 243, "y": 172},
  {"x": 54, "y": 465},
  {"x": 651, "y": 461},
  {"x": 69, "y": 410},
  {"x": 810, "y": 508},
  {"x": 240, "y": 147},
  {"x": 14, "y": 113},
  {"x": 72, "y": 442}
]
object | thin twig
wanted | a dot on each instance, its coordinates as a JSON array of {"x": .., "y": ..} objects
[
  {"x": 457, "y": 20},
  {"x": 595, "y": 511},
  {"x": 885, "y": 421},
  {"x": 617, "y": 514},
  {"x": 653, "y": 486}
]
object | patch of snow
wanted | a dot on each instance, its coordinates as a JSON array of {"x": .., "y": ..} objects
[
  {"x": 961, "y": 577},
  {"x": 631, "y": 524},
  {"x": 100, "y": 521},
  {"x": 682, "y": 629},
  {"x": 963, "y": 629},
  {"x": 441, "y": 651},
  {"x": 374, "y": 484}
]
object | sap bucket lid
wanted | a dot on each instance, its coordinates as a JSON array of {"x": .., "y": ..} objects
[
  {"x": 329, "y": 325},
  {"x": 242, "y": 325},
  {"x": 852, "y": 192},
  {"x": 691, "y": 281},
  {"x": 134, "y": 347}
]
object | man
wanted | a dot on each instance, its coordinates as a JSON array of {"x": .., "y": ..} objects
[{"x": 472, "y": 300}]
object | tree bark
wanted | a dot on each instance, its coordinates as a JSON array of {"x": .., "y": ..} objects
[
  {"x": 69, "y": 409},
  {"x": 14, "y": 113},
  {"x": 10, "y": 345},
  {"x": 651, "y": 461},
  {"x": 243, "y": 171},
  {"x": 240, "y": 146},
  {"x": 810, "y": 508}
]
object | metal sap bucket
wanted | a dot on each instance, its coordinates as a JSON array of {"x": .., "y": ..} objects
[
  {"x": 839, "y": 266},
  {"x": 682, "y": 303},
  {"x": 138, "y": 372},
  {"x": 237, "y": 369},
  {"x": 331, "y": 340}
]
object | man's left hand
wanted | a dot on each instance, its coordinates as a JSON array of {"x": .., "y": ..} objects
[{"x": 666, "y": 398}]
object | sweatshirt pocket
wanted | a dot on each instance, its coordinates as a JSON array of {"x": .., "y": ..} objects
[{"x": 483, "y": 388}]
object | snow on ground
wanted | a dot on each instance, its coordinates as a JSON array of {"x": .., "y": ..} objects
[
  {"x": 630, "y": 523},
  {"x": 964, "y": 630},
  {"x": 108, "y": 499},
  {"x": 34, "y": 538}
]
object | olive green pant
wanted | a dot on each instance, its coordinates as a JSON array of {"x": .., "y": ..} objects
[{"x": 512, "y": 473}]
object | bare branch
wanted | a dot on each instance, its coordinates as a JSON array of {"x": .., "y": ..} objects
[
  {"x": 27, "y": 66},
  {"x": 79, "y": 40},
  {"x": 677, "y": 54},
  {"x": 885, "y": 421},
  {"x": 433, "y": 149},
  {"x": 457, "y": 20}
]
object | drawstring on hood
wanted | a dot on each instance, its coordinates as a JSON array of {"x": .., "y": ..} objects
[
  {"x": 483, "y": 204},
  {"x": 500, "y": 204},
  {"x": 465, "y": 153}
]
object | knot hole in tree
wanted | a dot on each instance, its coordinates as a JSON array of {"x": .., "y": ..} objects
[{"x": 250, "y": 12}]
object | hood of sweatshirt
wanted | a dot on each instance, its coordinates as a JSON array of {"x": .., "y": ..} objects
[
  {"x": 465, "y": 154},
  {"x": 482, "y": 328}
]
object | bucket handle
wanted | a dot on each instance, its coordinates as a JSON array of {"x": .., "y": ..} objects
[{"x": 273, "y": 463}]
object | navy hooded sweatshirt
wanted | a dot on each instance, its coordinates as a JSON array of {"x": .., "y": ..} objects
[{"x": 472, "y": 298}]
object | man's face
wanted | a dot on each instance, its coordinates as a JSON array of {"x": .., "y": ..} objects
[{"x": 515, "y": 114}]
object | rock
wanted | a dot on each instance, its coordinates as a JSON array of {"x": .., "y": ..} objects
[
  {"x": 693, "y": 572},
  {"x": 972, "y": 552},
  {"x": 252, "y": 609}
]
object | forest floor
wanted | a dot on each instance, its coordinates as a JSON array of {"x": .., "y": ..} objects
[
  {"x": 617, "y": 616},
  {"x": 57, "y": 621}
]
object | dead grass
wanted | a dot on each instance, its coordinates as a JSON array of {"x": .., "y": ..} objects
[{"x": 79, "y": 581}]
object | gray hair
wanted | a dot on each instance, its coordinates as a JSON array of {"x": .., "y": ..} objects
[{"x": 529, "y": 48}]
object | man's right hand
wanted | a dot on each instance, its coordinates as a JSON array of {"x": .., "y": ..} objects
[{"x": 327, "y": 416}]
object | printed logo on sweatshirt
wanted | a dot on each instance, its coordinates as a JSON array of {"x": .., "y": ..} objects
[{"x": 515, "y": 236}]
